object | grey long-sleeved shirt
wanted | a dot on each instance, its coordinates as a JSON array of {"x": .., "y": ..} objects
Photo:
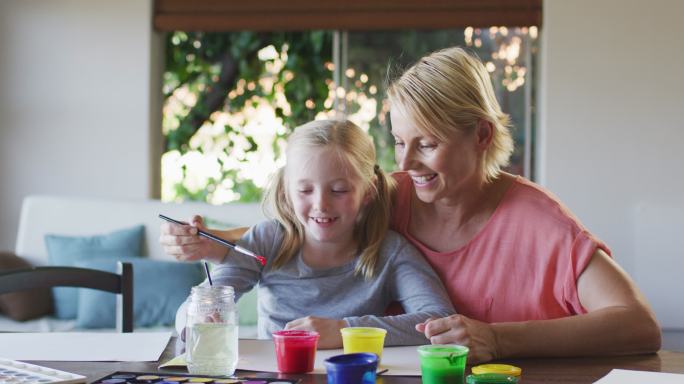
[{"x": 297, "y": 290}]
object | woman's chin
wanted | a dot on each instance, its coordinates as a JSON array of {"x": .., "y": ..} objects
[
  {"x": 427, "y": 192},
  {"x": 426, "y": 196}
]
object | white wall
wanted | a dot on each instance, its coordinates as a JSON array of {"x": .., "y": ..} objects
[
  {"x": 612, "y": 123},
  {"x": 79, "y": 107}
]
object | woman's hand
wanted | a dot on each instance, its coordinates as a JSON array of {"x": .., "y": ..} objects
[
  {"x": 329, "y": 329},
  {"x": 479, "y": 337},
  {"x": 183, "y": 242}
]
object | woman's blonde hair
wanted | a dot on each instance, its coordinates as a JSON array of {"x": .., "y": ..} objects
[
  {"x": 450, "y": 90},
  {"x": 355, "y": 148}
]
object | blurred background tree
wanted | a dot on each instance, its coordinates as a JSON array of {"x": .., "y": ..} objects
[
  {"x": 221, "y": 87},
  {"x": 232, "y": 98}
]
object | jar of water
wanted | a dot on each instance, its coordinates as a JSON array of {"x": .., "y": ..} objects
[{"x": 211, "y": 340}]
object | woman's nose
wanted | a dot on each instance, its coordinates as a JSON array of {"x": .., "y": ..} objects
[{"x": 405, "y": 159}]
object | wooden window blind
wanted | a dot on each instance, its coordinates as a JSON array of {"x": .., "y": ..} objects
[{"x": 271, "y": 15}]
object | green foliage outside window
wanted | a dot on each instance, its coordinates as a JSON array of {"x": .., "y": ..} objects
[{"x": 231, "y": 99}]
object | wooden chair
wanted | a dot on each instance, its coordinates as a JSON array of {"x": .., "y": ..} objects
[{"x": 48, "y": 277}]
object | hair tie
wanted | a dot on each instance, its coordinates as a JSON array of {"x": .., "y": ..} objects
[{"x": 376, "y": 168}]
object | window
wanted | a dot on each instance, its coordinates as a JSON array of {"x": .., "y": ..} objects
[{"x": 231, "y": 98}]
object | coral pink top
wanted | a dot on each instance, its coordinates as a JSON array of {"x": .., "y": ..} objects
[{"x": 522, "y": 265}]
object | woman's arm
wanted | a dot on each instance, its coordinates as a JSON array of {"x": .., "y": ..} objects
[
  {"x": 183, "y": 243},
  {"x": 619, "y": 321},
  {"x": 236, "y": 270}
]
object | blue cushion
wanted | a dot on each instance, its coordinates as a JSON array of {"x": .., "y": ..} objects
[
  {"x": 159, "y": 288},
  {"x": 65, "y": 250}
]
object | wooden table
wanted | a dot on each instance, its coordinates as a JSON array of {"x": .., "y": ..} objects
[{"x": 550, "y": 370}]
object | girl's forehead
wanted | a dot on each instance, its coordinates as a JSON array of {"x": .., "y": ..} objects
[{"x": 319, "y": 161}]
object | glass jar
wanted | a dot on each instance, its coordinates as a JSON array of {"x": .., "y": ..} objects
[{"x": 211, "y": 331}]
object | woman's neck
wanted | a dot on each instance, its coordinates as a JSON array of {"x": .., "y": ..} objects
[
  {"x": 451, "y": 222},
  {"x": 460, "y": 206}
]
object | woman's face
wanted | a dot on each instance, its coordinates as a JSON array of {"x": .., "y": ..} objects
[{"x": 439, "y": 169}]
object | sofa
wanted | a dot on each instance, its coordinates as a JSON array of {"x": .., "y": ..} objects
[{"x": 83, "y": 217}]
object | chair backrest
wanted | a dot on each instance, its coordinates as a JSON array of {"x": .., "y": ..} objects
[{"x": 48, "y": 277}]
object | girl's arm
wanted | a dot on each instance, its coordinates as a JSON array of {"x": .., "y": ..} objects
[
  {"x": 407, "y": 278},
  {"x": 619, "y": 321}
]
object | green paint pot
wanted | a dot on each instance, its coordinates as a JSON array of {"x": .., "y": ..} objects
[{"x": 442, "y": 364}]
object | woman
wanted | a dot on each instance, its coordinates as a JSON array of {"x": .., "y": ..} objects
[{"x": 525, "y": 276}]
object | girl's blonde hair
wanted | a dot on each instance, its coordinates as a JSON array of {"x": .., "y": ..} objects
[
  {"x": 356, "y": 149},
  {"x": 450, "y": 90}
]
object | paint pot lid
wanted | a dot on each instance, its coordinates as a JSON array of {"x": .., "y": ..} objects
[
  {"x": 491, "y": 378},
  {"x": 502, "y": 369}
]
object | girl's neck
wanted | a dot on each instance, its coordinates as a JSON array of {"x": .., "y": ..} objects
[{"x": 328, "y": 255}]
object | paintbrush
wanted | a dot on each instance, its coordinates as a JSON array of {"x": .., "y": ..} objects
[{"x": 260, "y": 259}]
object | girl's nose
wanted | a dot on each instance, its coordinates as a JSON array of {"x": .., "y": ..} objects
[{"x": 322, "y": 201}]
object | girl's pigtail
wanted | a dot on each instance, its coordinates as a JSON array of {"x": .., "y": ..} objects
[{"x": 374, "y": 224}]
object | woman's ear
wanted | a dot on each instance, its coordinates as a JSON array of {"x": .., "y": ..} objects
[{"x": 485, "y": 133}]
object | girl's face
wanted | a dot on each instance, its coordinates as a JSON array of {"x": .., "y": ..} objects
[
  {"x": 439, "y": 169},
  {"x": 326, "y": 195}
]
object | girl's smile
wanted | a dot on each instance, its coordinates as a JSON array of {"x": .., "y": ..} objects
[{"x": 326, "y": 195}]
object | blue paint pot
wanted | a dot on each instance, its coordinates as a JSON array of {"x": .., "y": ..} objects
[{"x": 352, "y": 368}]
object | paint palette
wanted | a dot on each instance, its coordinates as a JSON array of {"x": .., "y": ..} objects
[
  {"x": 163, "y": 378},
  {"x": 13, "y": 371}
]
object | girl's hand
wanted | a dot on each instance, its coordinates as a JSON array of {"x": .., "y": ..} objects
[
  {"x": 183, "y": 243},
  {"x": 329, "y": 329},
  {"x": 479, "y": 337}
]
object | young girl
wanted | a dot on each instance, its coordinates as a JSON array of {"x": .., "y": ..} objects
[{"x": 331, "y": 261}]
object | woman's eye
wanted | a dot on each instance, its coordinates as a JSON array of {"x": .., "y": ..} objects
[
  {"x": 340, "y": 190},
  {"x": 304, "y": 191},
  {"x": 428, "y": 146}
]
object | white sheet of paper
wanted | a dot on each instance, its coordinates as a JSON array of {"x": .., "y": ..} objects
[
  {"x": 259, "y": 355},
  {"x": 623, "y": 376},
  {"x": 84, "y": 346}
]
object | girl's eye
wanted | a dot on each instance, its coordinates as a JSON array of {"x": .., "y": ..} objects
[
  {"x": 340, "y": 191},
  {"x": 304, "y": 191}
]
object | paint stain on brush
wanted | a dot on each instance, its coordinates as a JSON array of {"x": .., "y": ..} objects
[{"x": 261, "y": 259}]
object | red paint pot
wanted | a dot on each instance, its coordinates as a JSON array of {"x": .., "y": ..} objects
[{"x": 295, "y": 350}]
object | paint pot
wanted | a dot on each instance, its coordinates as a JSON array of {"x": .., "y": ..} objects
[
  {"x": 363, "y": 339},
  {"x": 295, "y": 350},
  {"x": 442, "y": 364},
  {"x": 352, "y": 368}
]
